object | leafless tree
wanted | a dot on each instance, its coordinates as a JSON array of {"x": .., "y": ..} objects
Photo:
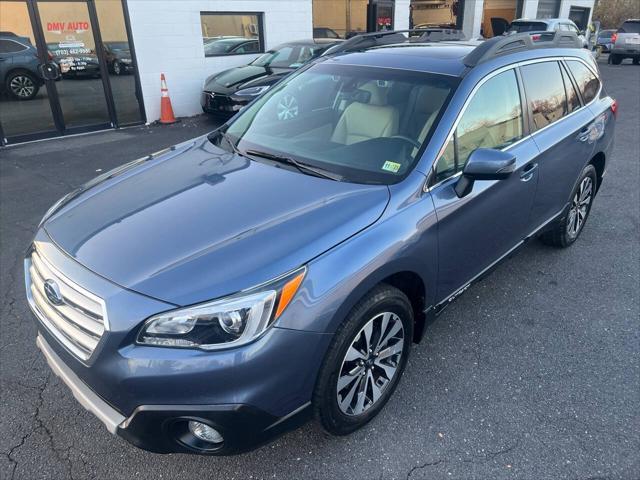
[{"x": 612, "y": 13}]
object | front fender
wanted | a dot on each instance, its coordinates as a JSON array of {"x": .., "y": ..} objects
[{"x": 403, "y": 240}]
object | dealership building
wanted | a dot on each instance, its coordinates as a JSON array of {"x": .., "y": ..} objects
[{"x": 73, "y": 66}]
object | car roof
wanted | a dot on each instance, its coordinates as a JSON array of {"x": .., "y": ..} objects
[
  {"x": 445, "y": 58},
  {"x": 442, "y": 57}
]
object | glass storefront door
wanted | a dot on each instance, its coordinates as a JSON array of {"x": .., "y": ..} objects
[{"x": 59, "y": 75}]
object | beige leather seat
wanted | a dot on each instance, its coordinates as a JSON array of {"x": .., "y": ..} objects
[
  {"x": 364, "y": 121},
  {"x": 426, "y": 102}
]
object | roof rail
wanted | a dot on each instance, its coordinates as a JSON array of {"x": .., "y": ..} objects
[
  {"x": 390, "y": 37},
  {"x": 518, "y": 42}
]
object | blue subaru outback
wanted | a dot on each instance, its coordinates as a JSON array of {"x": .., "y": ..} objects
[{"x": 211, "y": 296}]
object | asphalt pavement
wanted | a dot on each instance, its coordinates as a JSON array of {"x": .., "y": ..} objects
[{"x": 534, "y": 373}]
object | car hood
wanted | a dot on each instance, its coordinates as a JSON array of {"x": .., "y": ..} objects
[
  {"x": 231, "y": 80},
  {"x": 199, "y": 223}
]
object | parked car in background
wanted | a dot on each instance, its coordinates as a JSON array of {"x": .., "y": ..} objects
[
  {"x": 325, "y": 32},
  {"x": 626, "y": 43},
  {"x": 118, "y": 57},
  {"x": 301, "y": 249},
  {"x": 604, "y": 40},
  {"x": 225, "y": 93},
  {"x": 231, "y": 46},
  {"x": 547, "y": 25},
  {"x": 19, "y": 75}
]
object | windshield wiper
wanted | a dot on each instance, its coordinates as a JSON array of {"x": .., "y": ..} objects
[
  {"x": 233, "y": 146},
  {"x": 303, "y": 167}
]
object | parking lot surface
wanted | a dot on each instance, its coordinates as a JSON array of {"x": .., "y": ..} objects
[{"x": 534, "y": 373}]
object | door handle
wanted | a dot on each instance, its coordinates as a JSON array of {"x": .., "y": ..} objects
[
  {"x": 583, "y": 136},
  {"x": 528, "y": 172}
]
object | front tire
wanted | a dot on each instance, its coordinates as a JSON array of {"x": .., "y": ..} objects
[
  {"x": 365, "y": 361},
  {"x": 615, "y": 59},
  {"x": 567, "y": 229},
  {"x": 22, "y": 85}
]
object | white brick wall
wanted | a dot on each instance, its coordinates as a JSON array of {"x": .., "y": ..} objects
[{"x": 168, "y": 39}]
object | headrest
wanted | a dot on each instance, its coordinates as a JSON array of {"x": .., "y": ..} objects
[
  {"x": 429, "y": 99},
  {"x": 377, "y": 93}
]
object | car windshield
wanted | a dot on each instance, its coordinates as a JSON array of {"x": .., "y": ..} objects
[
  {"x": 288, "y": 56},
  {"x": 363, "y": 124},
  {"x": 519, "y": 27}
]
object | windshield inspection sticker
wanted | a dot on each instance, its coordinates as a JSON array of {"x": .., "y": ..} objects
[{"x": 391, "y": 166}]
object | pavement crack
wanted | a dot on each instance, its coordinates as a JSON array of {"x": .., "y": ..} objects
[{"x": 422, "y": 466}]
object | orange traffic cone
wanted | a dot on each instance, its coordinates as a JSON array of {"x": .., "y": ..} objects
[{"x": 166, "y": 111}]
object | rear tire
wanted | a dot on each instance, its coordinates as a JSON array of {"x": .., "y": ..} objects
[
  {"x": 615, "y": 59},
  {"x": 360, "y": 370},
  {"x": 636, "y": 61},
  {"x": 567, "y": 229}
]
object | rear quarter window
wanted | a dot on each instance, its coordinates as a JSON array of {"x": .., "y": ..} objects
[{"x": 587, "y": 82}]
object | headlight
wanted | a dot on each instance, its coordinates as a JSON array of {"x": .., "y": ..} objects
[
  {"x": 252, "y": 91},
  {"x": 223, "y": 323},
  {"x": 125, "y": 60}
]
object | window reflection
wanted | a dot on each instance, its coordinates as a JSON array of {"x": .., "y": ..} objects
[
  {"x": 545, "y": 92},
  {"x": 120, "y": 64},
  {"x": 573, "y": 101},
  {"x": 339, "y": 18},
  {"x": 493, "y": 119},
  {"x": 231, "y": 33},
  {"x": 586, "y": 80},
  {"x": 24, "y": 103}
]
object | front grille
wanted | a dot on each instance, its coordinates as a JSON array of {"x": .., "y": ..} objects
[{"x": 76, "y": 318}]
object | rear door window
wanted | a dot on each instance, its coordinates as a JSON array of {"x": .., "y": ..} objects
[
  {"x": 587, "y": 82},
  {"x": 545, "y": 92}
]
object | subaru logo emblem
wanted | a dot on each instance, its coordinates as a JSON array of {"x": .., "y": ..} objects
[{"x": 52, "y": 292}]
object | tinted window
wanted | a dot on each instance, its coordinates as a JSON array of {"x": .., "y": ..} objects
[
  {"x": 545, "y": 92},
  {"x": 9, "y": 46},
  {"x": 587, "y": 82},
  {"x": 528, "y": 27},
  {"x": 630, "y": 27},
  {"x": 573, "y": 101},
  {"x": 231, "y": 33},
  {"x": 493, "y": 119}
]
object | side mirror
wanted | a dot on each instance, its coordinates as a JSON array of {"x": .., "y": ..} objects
[{"x": 485, "y": 164}]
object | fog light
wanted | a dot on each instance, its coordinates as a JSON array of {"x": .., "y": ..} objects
[{"x": 204, "y": 432}]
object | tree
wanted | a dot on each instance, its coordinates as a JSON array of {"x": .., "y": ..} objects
[{"x": 612, "y": 13}]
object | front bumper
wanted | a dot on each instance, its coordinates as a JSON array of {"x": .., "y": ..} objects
[
  {"x": 251, "y": 393},
  {"x": 222, "y": 105},
  {"x": 160, "y": 428}
]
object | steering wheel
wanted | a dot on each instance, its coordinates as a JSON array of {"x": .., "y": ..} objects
[{"x": 407, "y": 139}]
